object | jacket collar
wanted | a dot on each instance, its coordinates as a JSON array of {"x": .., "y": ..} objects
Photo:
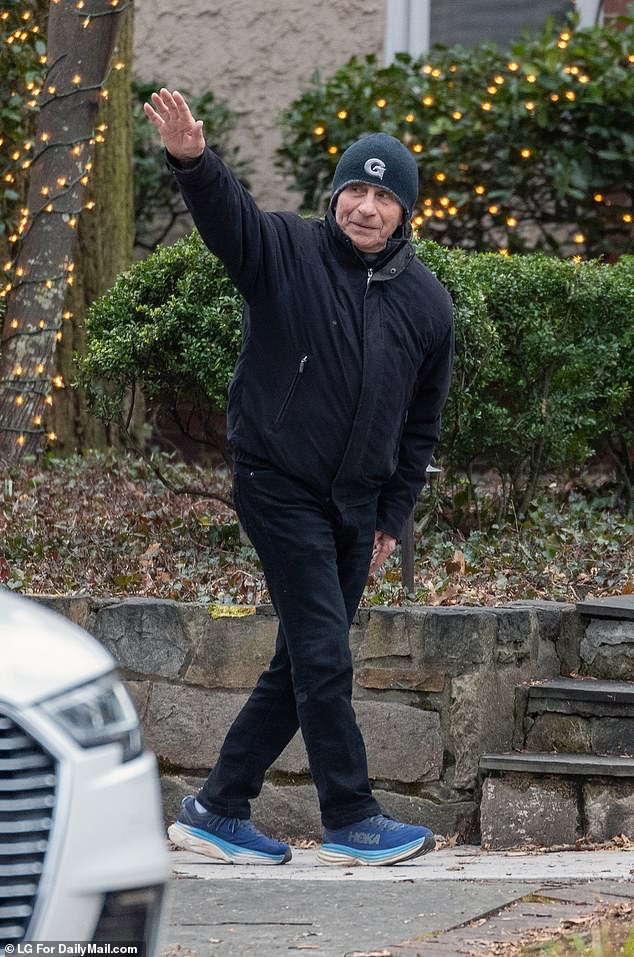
[{"x": 396, "y": 256}]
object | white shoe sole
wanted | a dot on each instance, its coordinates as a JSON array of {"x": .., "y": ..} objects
[
  {"x": 350, "y": 859},
  {"x": 181, "y": 837}
]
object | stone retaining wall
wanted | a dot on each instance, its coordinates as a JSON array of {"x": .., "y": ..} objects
[{"x": 434, "y": 690}]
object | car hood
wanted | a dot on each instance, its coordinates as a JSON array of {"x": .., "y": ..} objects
[{"x": 43, "y": 654}]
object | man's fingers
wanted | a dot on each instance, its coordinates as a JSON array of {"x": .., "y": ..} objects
[
  {"x": 379, "y": 554},
  {"x": 161, "y": 104},
  {"x": 152, "y": 115},
  {"x": 178, "y": 108}
]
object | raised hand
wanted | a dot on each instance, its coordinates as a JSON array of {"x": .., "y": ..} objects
[{"x": 182, "y": 135}]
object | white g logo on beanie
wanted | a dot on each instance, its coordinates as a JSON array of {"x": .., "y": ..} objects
[{"x": 374, "y": 167}]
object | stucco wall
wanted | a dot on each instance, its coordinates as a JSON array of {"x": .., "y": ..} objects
[{"x": 255, "y": 55}]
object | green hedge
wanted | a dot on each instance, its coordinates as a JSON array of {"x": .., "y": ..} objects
[{"x": 544, "y": 365}]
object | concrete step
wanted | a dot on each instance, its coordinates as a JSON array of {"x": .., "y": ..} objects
[{"x": 549, "y": 800}]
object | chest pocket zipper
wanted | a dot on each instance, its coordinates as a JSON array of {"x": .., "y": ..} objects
[{"x": 290, "y": 393}]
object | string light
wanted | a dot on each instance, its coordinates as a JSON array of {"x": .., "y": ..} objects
[
  {"x": 50, "y": 192},
  {"x": 579, "y": 238},
  {"x": 381, "y": 103}
]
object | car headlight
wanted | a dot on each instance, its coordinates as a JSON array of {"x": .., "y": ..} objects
[{"x": 98, "y": 713}]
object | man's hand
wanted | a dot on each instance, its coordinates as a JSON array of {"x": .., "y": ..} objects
[
  {"x": 384, "y": 545},
  {"x": 182, "y": 135}
]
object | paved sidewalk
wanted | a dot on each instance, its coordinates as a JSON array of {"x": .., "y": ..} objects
[{"x": 453, "y": 902}]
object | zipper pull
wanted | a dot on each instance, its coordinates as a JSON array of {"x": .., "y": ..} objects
[
  {"x": 370, "y": 274},
  {"x": 302, "y": 363}
]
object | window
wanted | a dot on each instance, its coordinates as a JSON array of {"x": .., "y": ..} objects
[{"x": 415, "y": 25}]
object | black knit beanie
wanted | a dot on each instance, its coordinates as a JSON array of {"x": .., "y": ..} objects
[{"x": 380, "y": 160}]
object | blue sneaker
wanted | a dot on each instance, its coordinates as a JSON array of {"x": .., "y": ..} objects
[
  {"x": 227, "y": 839},
  {"x": 376, "y": 840}
]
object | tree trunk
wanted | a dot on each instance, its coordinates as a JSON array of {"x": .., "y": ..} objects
[
  {"x": 104, "y": 248},
  {"x": 80, "y": 46}
]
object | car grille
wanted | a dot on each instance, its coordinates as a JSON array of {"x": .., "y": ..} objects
[{"x": 27, "y": 799}]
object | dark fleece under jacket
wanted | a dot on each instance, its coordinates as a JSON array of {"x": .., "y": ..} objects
[{"x": 344, "y": 369}]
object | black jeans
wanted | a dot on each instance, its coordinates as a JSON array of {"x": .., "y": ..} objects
[{"x": 316, "y": 562}]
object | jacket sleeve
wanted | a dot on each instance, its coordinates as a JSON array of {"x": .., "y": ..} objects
[
  {"x": 230, "y": 223},
  {"x": 420, "y": 435}
]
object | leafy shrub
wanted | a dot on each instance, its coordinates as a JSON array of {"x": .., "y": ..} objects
[
  {"x": 544, "y": 365},
  {"x": 171, "y": 326},
  {"x": 525, "y": 149}
]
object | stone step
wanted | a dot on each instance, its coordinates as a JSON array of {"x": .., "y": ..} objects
[
  {"x": 579, "y": 715},
  {"x": 616, "y": 606},
  {"x": 544, "y": 762},
  {"x": 550, "y": 799},
  {"x": 587, "y": 696}
]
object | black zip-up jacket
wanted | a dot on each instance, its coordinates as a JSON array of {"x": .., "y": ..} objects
[{"x": 344, "y": 369}]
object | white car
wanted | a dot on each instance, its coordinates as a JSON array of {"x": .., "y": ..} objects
[{"x": 82, "y": 847}]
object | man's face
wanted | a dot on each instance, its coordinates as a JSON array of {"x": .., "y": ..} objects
[{"x": 368, "y": 215}]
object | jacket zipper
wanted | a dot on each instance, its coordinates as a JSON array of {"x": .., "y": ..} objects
[
  {"x": 370, "y": 274},
  {"x": 291, "y": 391}
]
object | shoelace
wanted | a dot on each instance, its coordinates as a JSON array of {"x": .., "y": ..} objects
[
  {"x": 385, "y": 823},
  {"x": 236, "y": 822},
  {"x": 233, "y": 823}
]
